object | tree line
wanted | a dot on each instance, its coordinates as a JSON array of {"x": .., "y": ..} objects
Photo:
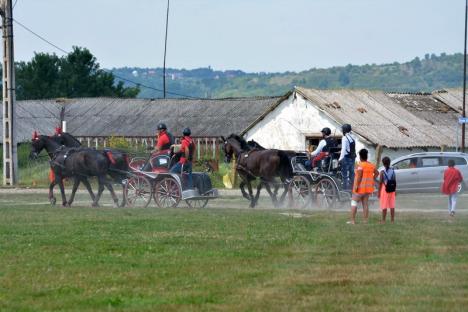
[{"x": 76, "y": 74}]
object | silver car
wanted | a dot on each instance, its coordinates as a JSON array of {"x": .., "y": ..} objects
[{"x": 424, "y": 172}]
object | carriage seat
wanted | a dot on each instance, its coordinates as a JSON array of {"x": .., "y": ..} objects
[{"x": 160, "y": 163}]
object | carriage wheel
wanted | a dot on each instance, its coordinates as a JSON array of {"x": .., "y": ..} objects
[
  {"x": 138, "y": 191},
  {"x": 326, "y": 193},
  {"x": 300, "y": 194},
  {"x": 167, "y": 193},
  {"x": 196, "y": 203}
]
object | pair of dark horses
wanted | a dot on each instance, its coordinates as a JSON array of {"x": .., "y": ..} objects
[
  {"x": 253, "y": 161},
  {"x": 69, "y": 160}
]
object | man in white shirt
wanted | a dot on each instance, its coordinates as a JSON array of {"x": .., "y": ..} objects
[
  {"x": 322, "y": 149},
  {"x": 347, "y": 156}
]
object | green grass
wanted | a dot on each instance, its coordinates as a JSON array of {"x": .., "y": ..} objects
[{"x": 226, "y": 259}]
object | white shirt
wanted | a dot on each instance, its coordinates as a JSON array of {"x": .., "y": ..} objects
[
  {"x": 320, "y": 147},
  {"x": 345, "y": 148}
]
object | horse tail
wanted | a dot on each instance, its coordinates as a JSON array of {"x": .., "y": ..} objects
[{"x": 286, "y": 171}]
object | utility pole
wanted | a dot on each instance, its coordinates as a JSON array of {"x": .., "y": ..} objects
[
  {"x": 464, "y": 80},
  {"x": 165, "y": 49},
  {"x": 10, "y": 157}
]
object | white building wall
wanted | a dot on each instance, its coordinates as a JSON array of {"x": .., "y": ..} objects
[{"x": 296, "y": 118}]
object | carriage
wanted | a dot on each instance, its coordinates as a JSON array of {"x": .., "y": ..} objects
[
  {"x": 167, "y": 189},
  {"x": 322, "y": 186}
]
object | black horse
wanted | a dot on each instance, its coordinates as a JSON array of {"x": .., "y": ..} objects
[
  {"x": 118, "y": 167},
  {"x": 253, "y": 163},
  {"x": 76, "y": 163}
]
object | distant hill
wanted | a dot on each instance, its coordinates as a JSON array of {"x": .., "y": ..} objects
[{"x": 427, "y": 74}]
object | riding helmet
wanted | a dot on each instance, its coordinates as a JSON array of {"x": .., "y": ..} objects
[
  {"x": 187, "y": 132},
  {"x": 162, "y": 126},
  {"x": 346, "y": 128},
  {"x": 326, "y": 131}
]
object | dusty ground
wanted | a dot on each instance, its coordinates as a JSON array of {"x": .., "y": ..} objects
[{"x": 232, "y": 199}]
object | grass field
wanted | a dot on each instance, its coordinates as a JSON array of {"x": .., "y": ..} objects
[{"x": 227, "y": 259}]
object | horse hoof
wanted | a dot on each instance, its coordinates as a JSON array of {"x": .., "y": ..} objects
[
  {"x": 52, "y": 201},
  {"x": 95, "y": 205},
  {"x": 65, "y": 205}
]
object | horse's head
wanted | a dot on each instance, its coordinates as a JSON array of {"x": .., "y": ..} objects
[
  {"x": 37, "y": 145},
  {"x": 40, "y": 142},
  {"x": 233, "y": 144}
]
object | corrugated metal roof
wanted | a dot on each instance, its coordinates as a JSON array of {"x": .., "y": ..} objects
[
  {"x": 139, "y": 117},
  {"x": 452, "y": 97},
  {"x": 391, "y": 120},
  {"x": 41, "y": 116}
]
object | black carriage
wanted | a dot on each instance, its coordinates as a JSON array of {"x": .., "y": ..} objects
[
  {"x": 154, "y": 181},
  {"x": 321, "y": 186}
]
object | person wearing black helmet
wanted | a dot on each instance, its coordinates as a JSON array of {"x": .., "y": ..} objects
[
  {"x": 324, "y": 146},
  {"x": 347, "y": 156},
  {"x": 164, "y": 139},
  {"x": 187, "y": 149}
]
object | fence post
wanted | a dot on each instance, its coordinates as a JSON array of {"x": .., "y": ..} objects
[{"x": 214, "y": 148}]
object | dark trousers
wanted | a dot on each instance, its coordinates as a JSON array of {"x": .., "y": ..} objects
[{"x": 347, "y": 173}]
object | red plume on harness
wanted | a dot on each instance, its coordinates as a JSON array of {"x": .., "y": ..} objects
[
  {"x": 111, "y": 158},
  {"x": 58, "y": 130},
  {"x": 35, "y": 135}
]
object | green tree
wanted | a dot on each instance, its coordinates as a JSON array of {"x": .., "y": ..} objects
[
  {"x": 38, "y": 79},
  {"x": 76, "y": 74}
]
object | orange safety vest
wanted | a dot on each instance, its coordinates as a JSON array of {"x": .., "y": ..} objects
[{"x": 367, "y": 182}]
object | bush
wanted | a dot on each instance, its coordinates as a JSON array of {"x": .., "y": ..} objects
[{"x": 119, "y": 143}]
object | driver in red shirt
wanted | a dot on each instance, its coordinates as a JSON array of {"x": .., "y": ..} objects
[{"x": 164, "y": 139}]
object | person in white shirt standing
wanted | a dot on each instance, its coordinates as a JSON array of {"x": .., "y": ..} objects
[{"x": 347, "y": 157}]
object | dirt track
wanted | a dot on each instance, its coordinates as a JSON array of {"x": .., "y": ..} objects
[{"x": 233, "y": 199}]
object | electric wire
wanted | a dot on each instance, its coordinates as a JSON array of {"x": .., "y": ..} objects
[{"x": 105, "y": 70}]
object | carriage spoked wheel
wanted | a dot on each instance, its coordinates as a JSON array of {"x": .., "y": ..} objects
[
  {"x": 300, "y": 193},
  {"x": 138, "y": 191},
  {"x": 196, "y": 203},
  {"x": 167, "y": 193},
  {"x": 326, "y": 194}
]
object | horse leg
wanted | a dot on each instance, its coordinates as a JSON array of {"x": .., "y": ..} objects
[
  {"x": 62, "y": 190},
  {"x": 252, "y": 199},
  {"x": 88, "y": 187},
  {"x": 242, "y": 188},
  {"x": 52, "y": 198},
  {"x": 286, "y": 189},
  {"x": 76, "y": 183},
  {"x": 122, "y": 205},
  {"x": 111, "y": 190},
  {"x": 257, "y": 196},
  {"x": 272, "y": 195},
  {"x": 100, "y": 189}
]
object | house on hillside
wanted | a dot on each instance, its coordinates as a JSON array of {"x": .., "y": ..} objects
[{"x": 384, "y": 123}]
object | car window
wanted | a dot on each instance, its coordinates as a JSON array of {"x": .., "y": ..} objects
[
  {"x": 406, "y": 163},
  {"x": 459, "y": 161},
  {"x": 429, "y": 162}
]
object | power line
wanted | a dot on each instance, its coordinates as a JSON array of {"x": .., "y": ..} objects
[{"x": 106, "y": 70}]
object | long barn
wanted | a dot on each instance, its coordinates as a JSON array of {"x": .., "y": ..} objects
[{"x": 391, "y": 123}]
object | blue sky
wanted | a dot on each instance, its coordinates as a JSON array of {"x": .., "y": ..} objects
[{"x": 251, "y": 35}]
